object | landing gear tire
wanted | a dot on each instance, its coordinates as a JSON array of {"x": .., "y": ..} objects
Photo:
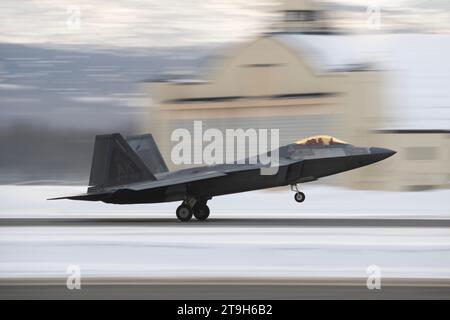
[
  {"x": 184, "y": 213},
  {"x": 201, "y": 212},
  {"x": 299, "y": 197}
]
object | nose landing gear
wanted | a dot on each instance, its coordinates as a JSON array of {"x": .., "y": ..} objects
[
  {"x": 299, "y": 196},
  {"x": 193, "y": 207}
]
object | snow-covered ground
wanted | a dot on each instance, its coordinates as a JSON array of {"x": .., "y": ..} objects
[
  {"x": 224, "y": 251},
  {"x": 321, "y": 201},
  {"x": 202, "y": 250}
]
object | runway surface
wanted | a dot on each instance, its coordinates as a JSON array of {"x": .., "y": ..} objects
[
  {"x": 230, "y": 290},
  {"x": 131, "y": 248},
  {"x": 261, "y": 248},
  {"x": 228, "y": 222}
]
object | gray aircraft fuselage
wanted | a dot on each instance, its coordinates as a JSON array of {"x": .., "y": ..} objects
[
  {"x": 132, "y": 170},
  {"x": 298, "y": 164}
]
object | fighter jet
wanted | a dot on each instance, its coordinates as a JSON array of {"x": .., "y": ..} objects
[{"x": 132, "y": 170}]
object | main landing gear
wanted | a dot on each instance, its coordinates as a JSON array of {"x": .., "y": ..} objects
[
  {"x": 193, "y": 207},
  {"x": 299, "y": 196}
]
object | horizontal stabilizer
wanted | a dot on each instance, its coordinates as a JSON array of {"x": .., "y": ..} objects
[{"x": 86, "y": 197}]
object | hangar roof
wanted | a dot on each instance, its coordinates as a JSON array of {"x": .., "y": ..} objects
[
  {"x": 332, "y": 52},
  {"x": 416, "y": 80}
]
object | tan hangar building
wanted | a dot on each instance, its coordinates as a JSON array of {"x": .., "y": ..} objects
[{"x": 301, "y": 79}]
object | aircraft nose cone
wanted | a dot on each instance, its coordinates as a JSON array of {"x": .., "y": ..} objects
[{"x": 382, "y": 153}]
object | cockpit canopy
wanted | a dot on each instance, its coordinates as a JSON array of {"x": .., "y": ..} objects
[{"x": 321, "y": 140}]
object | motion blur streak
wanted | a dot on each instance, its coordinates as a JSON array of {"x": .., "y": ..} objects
[{"x": 372, "y": 74}]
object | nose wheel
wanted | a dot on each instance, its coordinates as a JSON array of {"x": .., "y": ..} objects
[{"x": 298, "y": 196}]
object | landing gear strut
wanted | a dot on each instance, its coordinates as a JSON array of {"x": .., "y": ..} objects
[
  {"x": 299, "y": 196},
  {"x": 193, "y": 207}
]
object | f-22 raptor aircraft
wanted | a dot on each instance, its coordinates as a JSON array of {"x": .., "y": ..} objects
[{"x": 132, "y": 170}]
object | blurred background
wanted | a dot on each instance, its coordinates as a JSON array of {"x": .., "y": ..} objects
[
  {"x": 372, "y": 73},
  {"x": 369, "y": 72}
]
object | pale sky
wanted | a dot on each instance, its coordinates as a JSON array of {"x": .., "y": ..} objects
[{"x": 150, "y": 23}]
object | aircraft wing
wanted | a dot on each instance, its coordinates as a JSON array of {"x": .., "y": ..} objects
[
  {"x": 175, "y": 180},
  {"x": 145, "y": 185}
]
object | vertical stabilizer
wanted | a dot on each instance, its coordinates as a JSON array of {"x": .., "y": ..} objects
[
  {"x": 115, "y": 163},
  {"x": 146, "y": 148}
]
